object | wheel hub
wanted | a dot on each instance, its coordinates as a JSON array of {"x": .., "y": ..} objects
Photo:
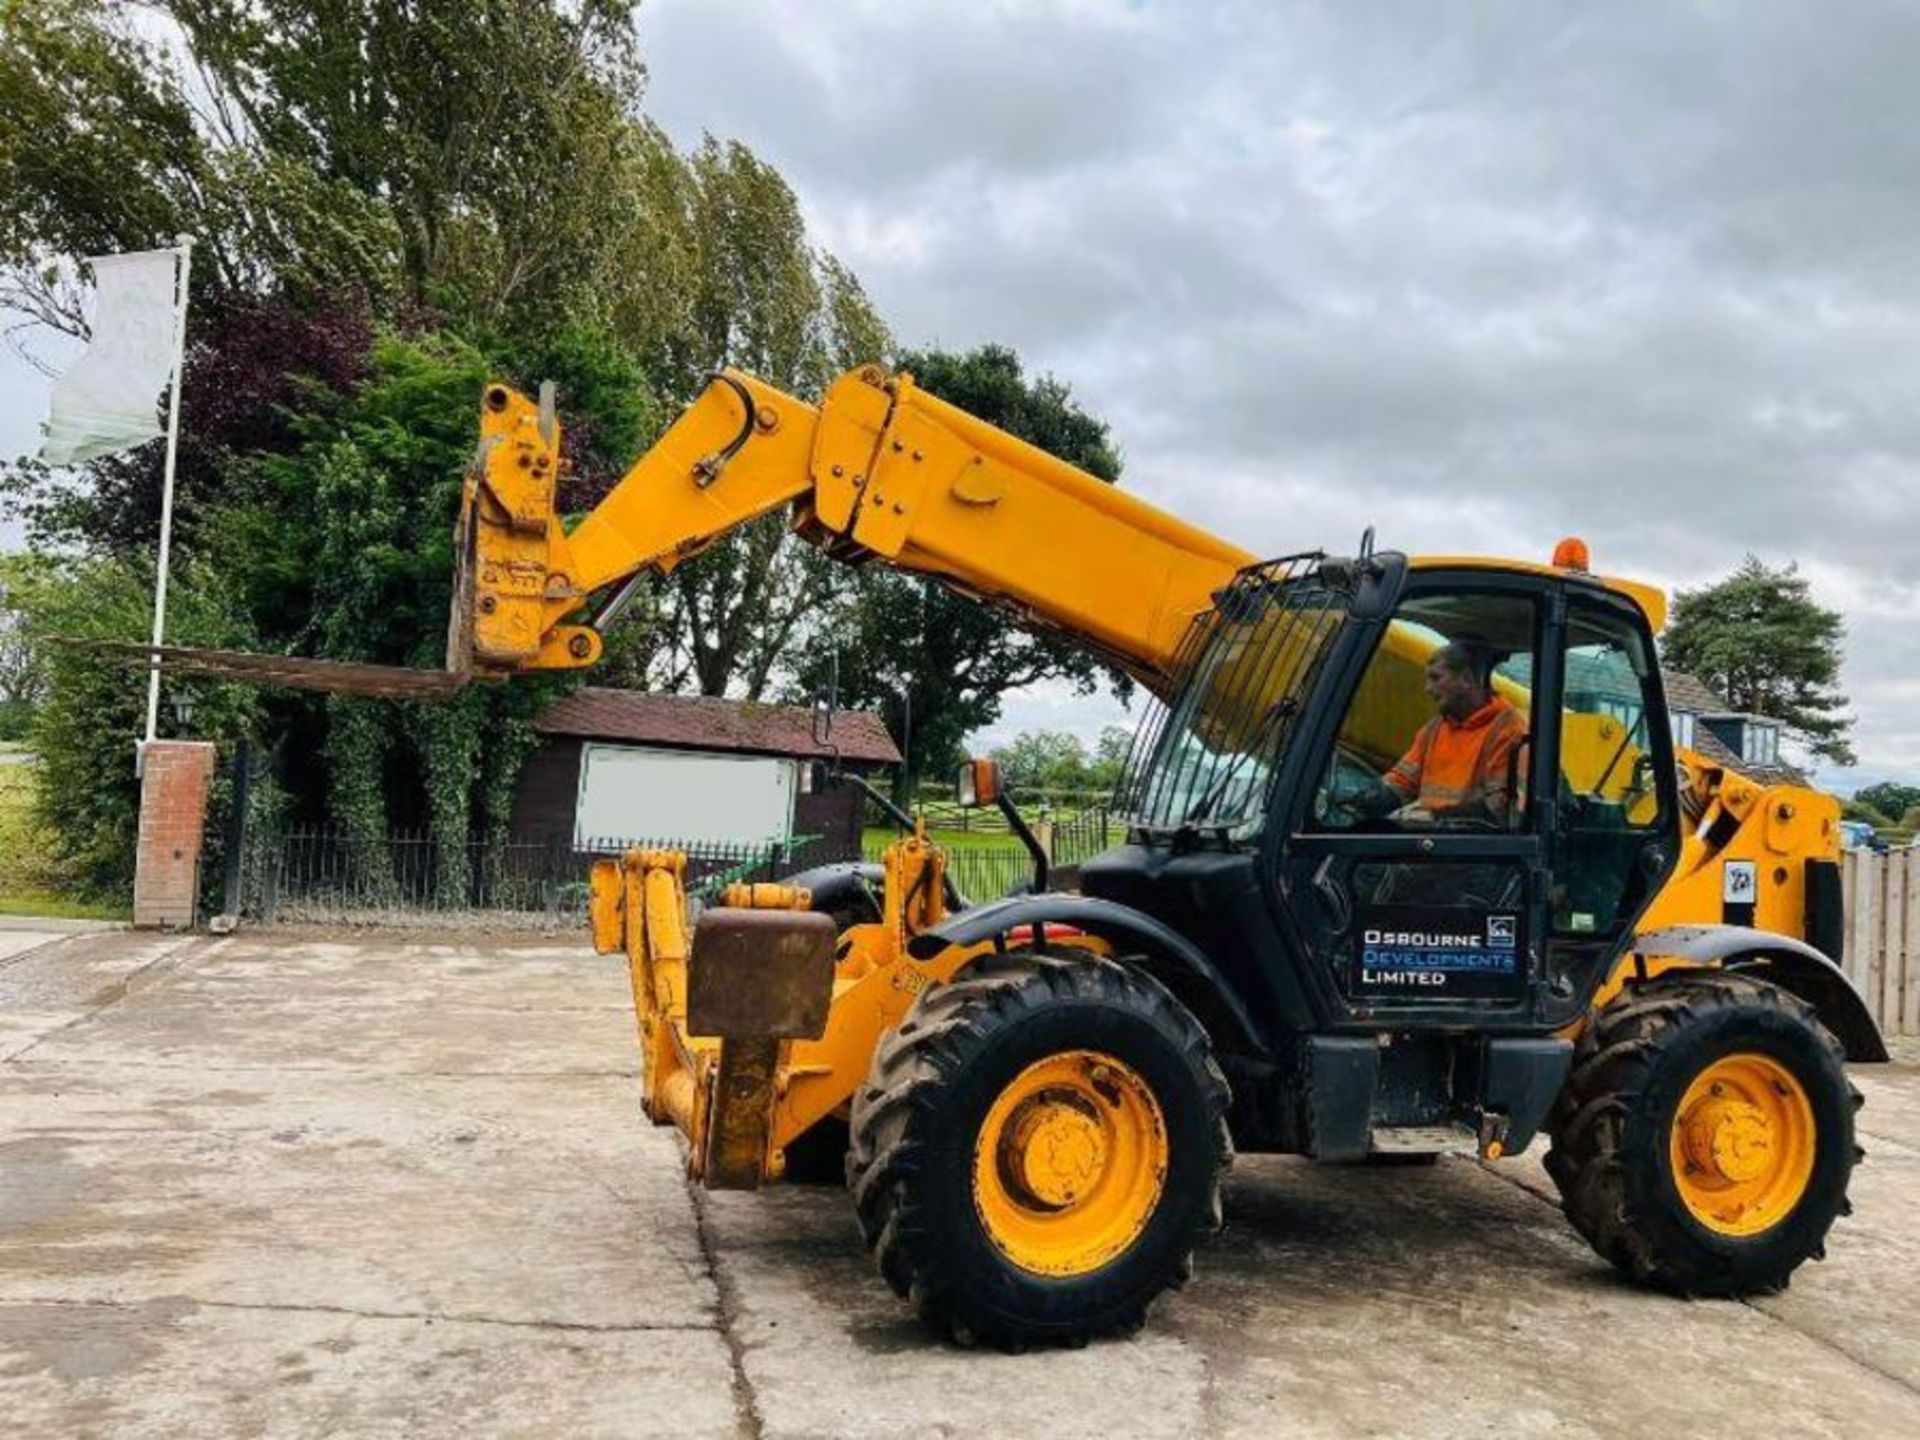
[
  {"x": 1730, "y": 1139},
  {"x": 1070, "y": 1162},
  {"x": 1054, "y": 1151},
  {"x": 1743, "y": 1144}
]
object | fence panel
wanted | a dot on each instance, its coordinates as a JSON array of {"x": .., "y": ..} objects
[
  {"x": 1882, "y": 951},
  {"x": 1887, "y": 939},
  {"x": 1085, "y": 835},
  {"x": 1904, "y": 1018},
  {"x": 324, "y": 875}
]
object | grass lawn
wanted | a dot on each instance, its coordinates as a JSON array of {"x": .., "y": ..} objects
[
  {"x": 877, "y": 837},
  {"x": 25, "y": 878},
  {"x": 44, "y": 904}
]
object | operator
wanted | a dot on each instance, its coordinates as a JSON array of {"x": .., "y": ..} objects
[{"x": 1461, "y": 764}]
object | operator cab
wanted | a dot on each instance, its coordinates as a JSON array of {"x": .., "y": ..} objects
[
  {"x": 1476, "y": 849},
  {"x": 1394, "y": 794}
]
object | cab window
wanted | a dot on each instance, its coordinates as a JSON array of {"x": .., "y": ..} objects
[
  {"x": 1438, "y": 733},
  {"x": 1609, "y": 805}
]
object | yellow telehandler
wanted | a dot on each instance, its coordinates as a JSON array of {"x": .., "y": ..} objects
[{"x": 1344, "y": 923}]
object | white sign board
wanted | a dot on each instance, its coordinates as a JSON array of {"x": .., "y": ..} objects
[
  {"x": 1740, "y": 882},
  {"x": 628, "y": 793}
]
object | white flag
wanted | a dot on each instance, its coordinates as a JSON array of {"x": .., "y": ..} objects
[{"x": 110, "y": 399}]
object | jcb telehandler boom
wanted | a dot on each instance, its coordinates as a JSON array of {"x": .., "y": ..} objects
[
  {"x": 1624, "y": 946},
  {"x": 879, "y": 471}
]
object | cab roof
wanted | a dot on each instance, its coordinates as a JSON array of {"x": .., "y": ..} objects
[{"x": 1651, "y": 599}]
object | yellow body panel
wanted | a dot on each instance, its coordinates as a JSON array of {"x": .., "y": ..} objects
[
  {"x": 1779, "y": 828},
  {"x": 639, "y": 909}
]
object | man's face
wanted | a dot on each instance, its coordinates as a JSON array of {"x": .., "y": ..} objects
[{"x": 1453, "y": 693}]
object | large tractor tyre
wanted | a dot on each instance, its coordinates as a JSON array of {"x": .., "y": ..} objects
[
  {"x": 1038, "y": 1149},
  {"x": 1704, "y": 1140}
]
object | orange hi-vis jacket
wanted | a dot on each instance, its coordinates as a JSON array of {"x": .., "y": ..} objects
[{"x": 1452, "y": 763}]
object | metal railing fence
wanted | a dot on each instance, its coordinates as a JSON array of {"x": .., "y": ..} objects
[
  {"x": 322, "y": 874},
  {"x": 988, "y": 871},
  {"x": 1081, "y": 837},
  {"x": 943, "y": 812}
]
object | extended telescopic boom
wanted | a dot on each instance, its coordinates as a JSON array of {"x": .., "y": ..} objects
[{"x": 878, "y": 470}]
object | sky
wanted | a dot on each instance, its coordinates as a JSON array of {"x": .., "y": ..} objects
[{"x": 1479, "y": 276}]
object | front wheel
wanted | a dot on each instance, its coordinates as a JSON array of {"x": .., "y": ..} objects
[
  {"x": 1038, "y": 1149},
  {"x": 1704, "y": 1141}
]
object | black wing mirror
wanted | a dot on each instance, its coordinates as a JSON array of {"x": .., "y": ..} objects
[{"x": 825, "y": 701}]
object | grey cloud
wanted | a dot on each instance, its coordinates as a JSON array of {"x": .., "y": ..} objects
[
  {"x": 1481, "y": 274},
  {"x": 865, "y": 96}
]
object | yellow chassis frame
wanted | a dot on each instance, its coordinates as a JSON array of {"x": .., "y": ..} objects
[{"x": 740, "y": 1118}]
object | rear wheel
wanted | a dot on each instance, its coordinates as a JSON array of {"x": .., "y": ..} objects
[
  {"x": 1038, "y": 1150},
  {"x": 1705, "y": 1139}
]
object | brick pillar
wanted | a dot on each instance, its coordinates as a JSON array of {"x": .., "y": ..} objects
[{"x": 173, "y": 814}]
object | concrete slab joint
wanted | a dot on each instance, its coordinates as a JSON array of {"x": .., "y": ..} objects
[{"x": 175, "y": 782}]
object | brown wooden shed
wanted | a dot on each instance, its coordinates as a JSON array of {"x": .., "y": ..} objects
[{"x": 634, "y": 737}]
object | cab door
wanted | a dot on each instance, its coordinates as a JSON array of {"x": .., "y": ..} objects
[
  {"x": 1613, "y": 824},
  {"x": 1415, "y": 869}
]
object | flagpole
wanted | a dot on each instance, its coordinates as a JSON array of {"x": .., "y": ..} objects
[{"x": 166, "y": 485}]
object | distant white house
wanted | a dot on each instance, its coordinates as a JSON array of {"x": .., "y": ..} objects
[{"x": 1703, "y": 721}]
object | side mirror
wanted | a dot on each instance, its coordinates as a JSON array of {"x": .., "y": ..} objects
[
  {"x": 825, "y": 701},
  {"x": 977, "y": 784}
]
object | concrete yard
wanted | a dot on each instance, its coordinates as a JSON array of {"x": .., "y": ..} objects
[{"x": 301, "y": 1185}]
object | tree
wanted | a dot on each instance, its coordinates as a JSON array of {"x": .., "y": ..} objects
[
  {"x": 453, "y": 153},
  {"x": 345, "y": 543},
  {"x": 1856, "y": 810},
  {"x": 104, "y": 146},
  {"x": 1889, "y": 798},
  {"x": 1045, "y": 760},
  {"x": 907, "y": 644},
  {"x": 472, "y": 166},
  {"x": 1057, "y": 761},
  {"x": 84, "y": 722},
  {"x": 327, "y": 533},
  {"x": 764, "y": 300},
  {"x": 1110, "y": 756},
  {"x": 23, "y": 678},
  {"x": 458, "y": 191},
  {"x": 252, "y": 367},
  {"x": 1760, "y": 639}
]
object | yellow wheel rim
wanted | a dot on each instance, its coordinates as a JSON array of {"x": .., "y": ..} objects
[
  {"x": 1743, "y": 1144},
  {"x": 1070, "y": 1163}
]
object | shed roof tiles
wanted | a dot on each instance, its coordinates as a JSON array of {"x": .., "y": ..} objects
[{"x": 701, "y": 722}]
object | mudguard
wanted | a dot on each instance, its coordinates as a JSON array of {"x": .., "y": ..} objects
[
  {"x": 1791, "y": 964},
  {"x": 1121, "y": 925}
]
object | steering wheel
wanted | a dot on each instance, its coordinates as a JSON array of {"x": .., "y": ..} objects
[{"x": 1349, "y": 783}]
